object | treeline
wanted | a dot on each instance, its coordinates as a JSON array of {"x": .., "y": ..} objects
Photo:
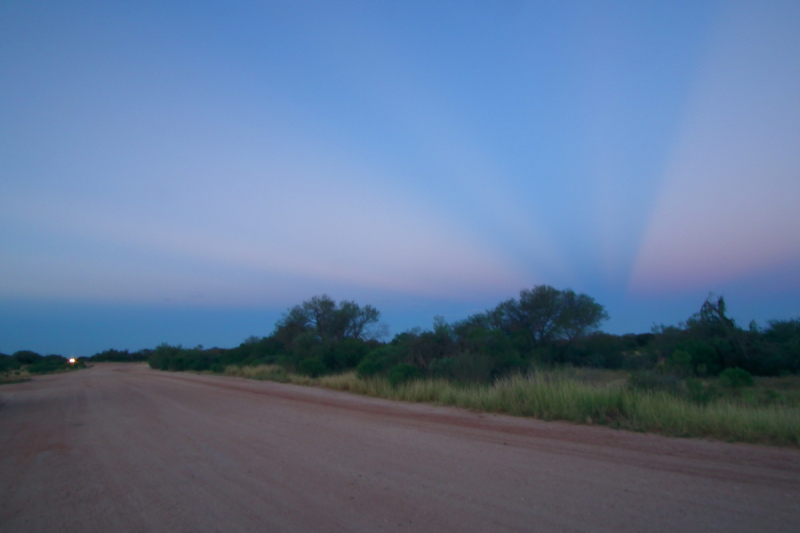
[
  {"x": 122, "y": 356},
  {"x": 35, "y": 363},
  {"x": 544, "y": 327},
  {"x": 316, "y": 337}
]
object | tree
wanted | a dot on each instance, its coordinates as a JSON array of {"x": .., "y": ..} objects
[
  {"x": 542, "y": 312},
  {"x": 360, "y": 322},
  {"x": 545, "y": 315},
  {"x": 579, "y": 315},
  {"x": 711, "y": 320},
  {"x": 321, "y": 316}
]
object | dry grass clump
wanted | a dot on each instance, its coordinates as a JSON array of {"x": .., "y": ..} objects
[{"x": 260, "y": 372}]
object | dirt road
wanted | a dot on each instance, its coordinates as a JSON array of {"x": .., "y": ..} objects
[{"x": 119, "y": 448}]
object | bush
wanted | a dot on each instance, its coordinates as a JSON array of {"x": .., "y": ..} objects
[
  {"x": 472, "y": 368},
  {"x": 348, "y": 353},
  {"x": 44, "y": 367},
  {"x": 26, "y": 357},
  {"x": 312, "y": 367},
  {"x": 650, "y": 381},
  {"x": 261, "y": 372},
  {"x": 543, "y": 356},
  {"x": 638, "y": 361},
  {"x": 379, "y": 361},
  {"x": 8, "y": 363},
  {"x": 199, "y": 364},
  {"x": 705, "y": 358},
  {"x": 401, "y": 373},
  {"x": 368, "y": 368},
  {"x": 442, "y": 367},
  {"x": 507, "y": 364},
  {"x": 679, "y": 363},
  {"x": 117, "y": 356},
  {"x": 735, "y": 378},
  {"x": 700, "y": 393},
  {"x": 177, "y": 364}
]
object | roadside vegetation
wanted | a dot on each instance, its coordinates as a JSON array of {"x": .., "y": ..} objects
[
  {"x": 768, "y": 412},
  {"x": 121, "y": 356},
  {"x": 539, "y": 355},
  {"x": 23, "y": 364}
]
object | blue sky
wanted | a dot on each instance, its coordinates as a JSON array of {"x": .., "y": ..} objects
[{"x": 183, "y": 173}]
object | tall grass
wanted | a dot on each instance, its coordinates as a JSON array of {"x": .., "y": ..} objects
[
  {"x": 559, "y": 396},
  {"x": 260, "y": 372}
]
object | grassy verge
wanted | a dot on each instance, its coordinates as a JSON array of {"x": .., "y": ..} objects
[
  {"x": 565, "y": 396},
  {"x": 5, "y": 380},
  {"x": 28, "y": 372}
]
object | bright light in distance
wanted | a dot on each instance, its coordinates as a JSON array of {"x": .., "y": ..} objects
[{"x": 72, "y": 361}]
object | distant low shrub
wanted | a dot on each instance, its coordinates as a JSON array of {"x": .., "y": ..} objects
[
  {"x": 465, "y": 368},
  {"x": 401, "y": 373},
  {"x": 44, "y": 367},
  {"x": 48, "y": 363},
  {"x": 26, "y": 357},
  {"x": 199, "y": 364},
  {"x": 472, "y": 368},
  {"x": 442, "y": 367},
  {"x": 313, "y": 367},
  {"x": 679, "y": 363},
  {"x": 378, "y": 361},
  {"x": 735, "y": 378},
  {"x": 701, "y": 393},
  {"x": 177, "y": 364},
  {"x": 348, "y": 353},
  {"x": 261, "y": 372},
  {"x": 651, "y": 381},
  {"x": 638, "y": 361},
  {"x": 367, "y": 368},
  {"x": 704, "y": 358},
  {"x": 8, "y": 363}
]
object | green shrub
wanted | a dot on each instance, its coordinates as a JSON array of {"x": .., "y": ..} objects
[
  {"x": 44, "y": 367},
  {"x": 543, "y": 356},
  {"x": 639, "y": 361},
  {"x": 700, "y": 393},
  {"x": 8, "y": 363},
  {"x": 46, "y": 364},
  {"x": 509, "y": 363},
  {"x": 26, "y": 357},
  {"x": 735, "y": 378},
  {"x": 773, "y": 397},
  {"x": 705, "y": 358},
  {"x": 348, "y": 353},
  {"x": 442, "y": 367},
  {"x": 472, "y": 368},
  {"x": 199, "y": 363},
  {"x": 313, "y": 367},
  {"x": 679, "y": 363},
  {"x": 651, "y": 381},
  {"x": 177, "y": 364},
  {"x": 261, "y": 372},
  {"x": 401, "y": 373},
  {"x": 368, "y": 368},
  {"x": 379, "y": 361},
  {"x": 476, "y": 367}
]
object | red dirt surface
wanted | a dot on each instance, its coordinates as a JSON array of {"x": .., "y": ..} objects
[{"x": 119, "y": 448}]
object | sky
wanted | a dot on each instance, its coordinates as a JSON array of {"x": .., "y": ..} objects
[{"x": 185, "y": 172}]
